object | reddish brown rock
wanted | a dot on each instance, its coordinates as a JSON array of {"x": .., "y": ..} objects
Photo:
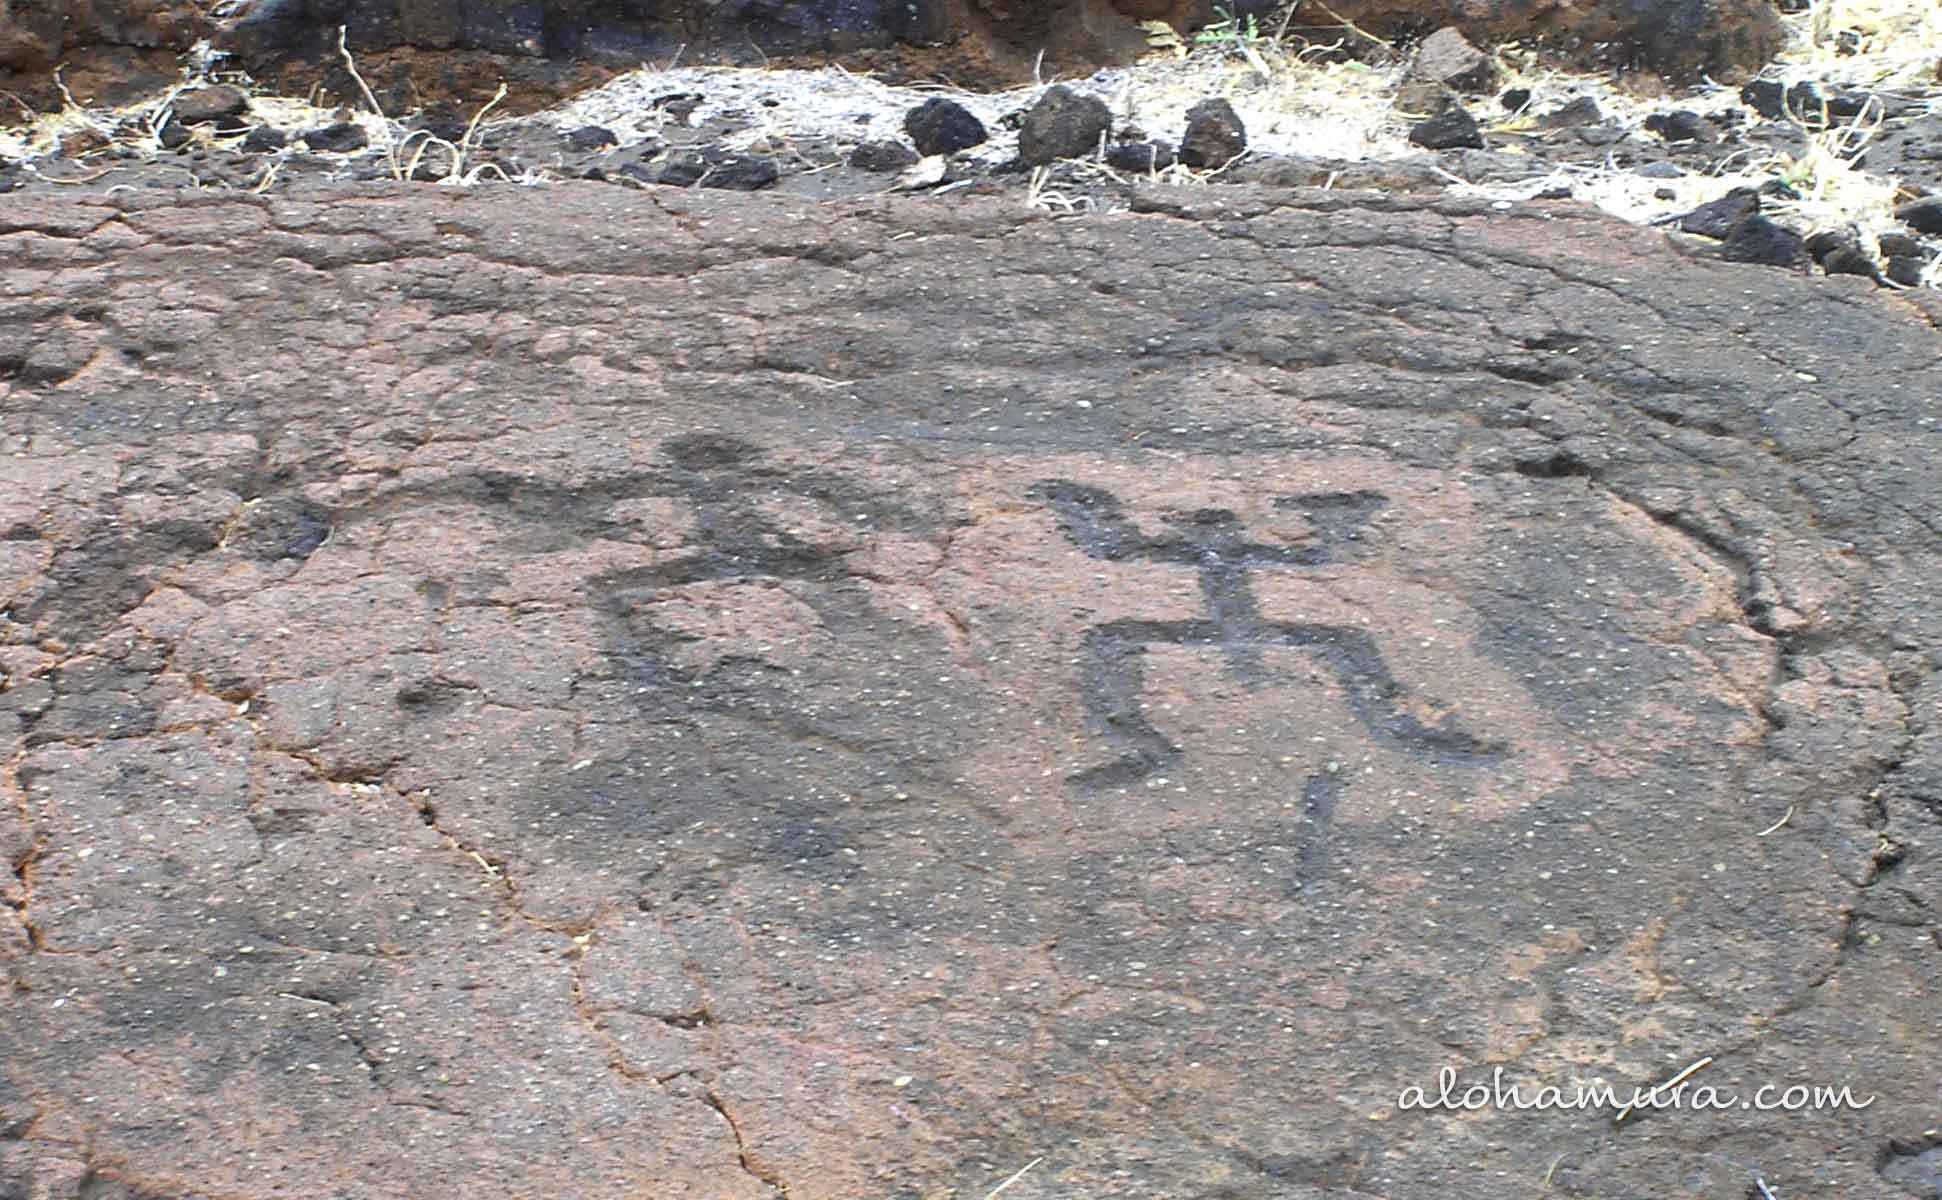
[
  {"x": 113, "y": 49},
  {"x": 418, "y": 51},
  {"x": 1447, "y": 58},
  {"x": 1681, "y": 39},
  {"x": 590, "y": 692}
]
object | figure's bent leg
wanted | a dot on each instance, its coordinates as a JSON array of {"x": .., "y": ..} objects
[
  {"x": 1373, "y": 693},
  {"x": 1111, "y": 679}
]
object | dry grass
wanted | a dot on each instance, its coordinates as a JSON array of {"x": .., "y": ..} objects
[
  {"x": 1889, "y": 47},
  {"x": 1304, "y": 104},
  {"x": 138, "y": 126},
  {"x": 1321, "y": 89},
  {"x": 1878, "y": 45},
  {"x": 420, "y": 142},
  {"x": 1299, "y": 91}
]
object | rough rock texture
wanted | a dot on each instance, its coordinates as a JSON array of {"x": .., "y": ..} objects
[
  {"x": 462, "y": 48},
  {"x": 1924, "y": 216},
  {"x": 209, "y": 105},
  {"x": 589, "y": 692},
  {"x": 941, "y": 126},
  {"x": 1062, "y": 124},
  {"x": 882, "y": 156},
  {"x": 1679, "y": 38},
  {"x": 1759, "y": 240},
  {"x": 419, "y": 51},
  {"x": 1215, "y": 135},
  {"x": 1451, "y": 129},
  {"x": 1140, "y": 156},
  {"x": 1447, "y": 57},
  {"x": 1717, "y": 218},
  {"x": 112, "y": 49}
]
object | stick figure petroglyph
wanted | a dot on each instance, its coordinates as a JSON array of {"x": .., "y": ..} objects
[{"x": 1213, "y": 543}]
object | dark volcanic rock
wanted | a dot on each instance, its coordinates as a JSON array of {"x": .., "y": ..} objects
[
  {"x": 1681, "y": 38},
  {"x": 1580, "y": 110},
  {"x": 203, "y": 105},
  {"x": 682, "y": 169},
  {"x": 639, "y": 163},
  {"x": 1140, "y": 156},
  {"x": 1906, "y": 269},
  {"x": 882, "y": 157},
  {"x": 1821, "y": 244},
  {"x": 1680, "y": 125},
  {"x": 1850, "y": 260},
  {"x": 1851, "y": 105},
  {"x": 536, "y": 28},
  {"x": 1775, "y": 100},
  {"x": 265, "y": 138},
  {"x": 1448, "y": 58},
  {"x": 1451, "y": 129},
  {"x": 587, "y": 139},
  {"x": 574, "y": 692},
  {"x": 341, "y": 138},
  {"x": 940, "y": 126},
  {"x": 742, "y": 173},
  {"x": 1062, "y": 124},
  {"x": 1923, "y": 216},
  {"x": 1898, "y": 244},
  {"x": 548, "y": 45},
  {"x": 1806, "y": 103},
  {"x": 1756, "y": 239},
  {"x": 1717, "y": 218},
  {"x": 1214, "y": 136},
  {"x": 1838, "y": 253},
  {"x": 736, "y": 173},
  {"x": 412, "y": 51}
]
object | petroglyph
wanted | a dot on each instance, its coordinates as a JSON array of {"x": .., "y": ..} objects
[{"x": 1211, "y": 542}]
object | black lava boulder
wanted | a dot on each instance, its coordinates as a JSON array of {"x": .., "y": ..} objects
[
  {"x": 1063, "y": 124},
  {"x": 341, "y": 138},
  {"x": 1923, "y": 216},
  {"x": 1906, "y": 269},
  {"x": 1759, "y": 240},
  {"x": 220, "y": 104},
  {"x": 735, "y": 173},
  {"x": 1451, "y": 129},
  {"x": 1214, "y": 137},
  {"x": 1717, "y": 218},
  {"x": 940, "y": 126},
  {"x": 1140, "y": 157},
  {"x": 590, "y": 139},
  {"x": 265, "y": 138},
  {"x": 882, "y": 157},
  {"x": 1680, "y": 125}
]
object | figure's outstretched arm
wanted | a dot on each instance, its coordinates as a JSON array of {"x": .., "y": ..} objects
[{"x": 1092, "y": 518}]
